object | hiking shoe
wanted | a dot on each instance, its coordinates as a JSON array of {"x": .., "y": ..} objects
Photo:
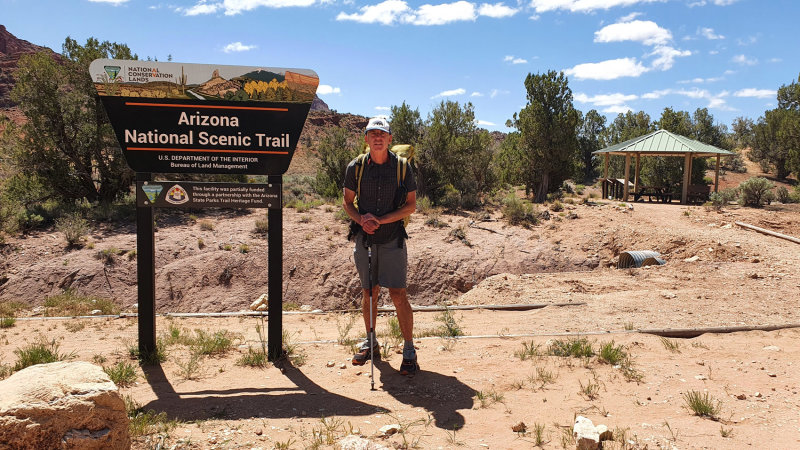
[
  {"x": 409, "y": 367},
  {"x": 361, "y": 358}
]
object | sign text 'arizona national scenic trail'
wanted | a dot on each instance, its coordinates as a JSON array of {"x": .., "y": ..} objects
[{"x": 202, "y": 118}]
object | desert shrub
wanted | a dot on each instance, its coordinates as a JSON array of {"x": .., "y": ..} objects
[
  {"x": 42, "y": 351},
  {"x": 206, "y": 225},
  {"x": 450, "y": 198},
  {"x": 756, "y": 191},
  {"x": 715, "y": 202},
  {"x": 702, "y": 404},
  {"x": 218, "y": 343},
  {"x": 261, "y": 226},
  {"x": 122, "y": 374},
  {"x": 519, "y": 212},
  {"x": 556, "y": 206},
  {"x": 782, "y": 194},
  {"x": 74, "y": 227},
  {"x": 425, "y": 206},
  {"x": 70, "y": 303},
  {"x": 8, "y": 313},
  {"x": 334, "y": 151}
]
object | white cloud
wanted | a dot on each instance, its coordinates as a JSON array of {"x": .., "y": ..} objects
[
  {"x": 496, "y": 92},
  {"x": 757, "y": 93},
  {"x": 715, "y": 2},
  {"x": 630, "y": 17},
  {"x": 514, "y": 60},
  {"x": 715, "y": 101},
  {"x": 608, "y": 70},
  {"x": 534, "y": 17},
  {"x": 496, "y": 11},
  {"x": 201, "y": 8},
  {"x": 605, "y": 99},
  {"x": 113, "y": 2},
  {"x": 701, "y": 80},
  {"x": 775, "y": 60},
  {"x": 618, "y": 109},
  {"x": 238, "y": 47},
  {"x": 450, "y": 93},
  {"x": 708, "y": 33},
  {"x": 583, "y": 5},
  {"x": 744, "y": 60},
  {"x": 484, "y": 123},
  {"x": 385, "y": 13},
  {"x": 324, "y": 89},
  {"x": 390, "y": 12},
  {"x": 233, "y": 7},
  {"x": 443, "y": 14},
  {"x": 644, "y": 31},
  {"x": 666, "y": 57},
  {"x": 476, "y": 94},
  {"x": 383, "y": 108}
]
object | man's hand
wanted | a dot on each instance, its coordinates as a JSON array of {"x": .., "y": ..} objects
[{"x": 369, "y": 223}]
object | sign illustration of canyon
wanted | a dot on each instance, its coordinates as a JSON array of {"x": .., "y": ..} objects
[{"x": 200, "y": 118}]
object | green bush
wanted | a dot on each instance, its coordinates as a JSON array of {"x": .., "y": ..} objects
[
  {"x": 756, "y": 191},
  {"x": 122, "y": 374},
  {"x": 70, "y": 303},
  {"x": 74, "y": 227},
  {"x": 334, "y": 151},
  {"x": 782, "y": 194},
  {"x": 519, "y": 212},
  {"x": 40, "y": 352}
]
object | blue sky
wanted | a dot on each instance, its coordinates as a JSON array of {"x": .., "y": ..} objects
[{"x": 727, "y": 55}]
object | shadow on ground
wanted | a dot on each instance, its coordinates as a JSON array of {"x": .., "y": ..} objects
[
  {"x": 441, "y": 395},
  {"x": 305, "y": 399}
]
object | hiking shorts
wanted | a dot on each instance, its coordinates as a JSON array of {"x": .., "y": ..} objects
[{"x": 389, "y": 264}]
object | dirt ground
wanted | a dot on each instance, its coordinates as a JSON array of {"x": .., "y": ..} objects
[
  {"x": 472, "y": 390},
  {"x": 718, "y": 276}
]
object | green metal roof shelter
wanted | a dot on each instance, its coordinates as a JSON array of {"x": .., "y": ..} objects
[{"x": 663, "y": 143}]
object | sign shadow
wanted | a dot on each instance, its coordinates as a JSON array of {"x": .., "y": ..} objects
[{"x": 304, "y": 399}]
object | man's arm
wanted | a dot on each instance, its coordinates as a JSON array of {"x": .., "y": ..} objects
[
  {"x": 368, "y": 222},
  {"x": 399, "y": 214}
]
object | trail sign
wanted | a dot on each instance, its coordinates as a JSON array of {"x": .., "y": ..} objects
[{"x": 201, "y": 118}]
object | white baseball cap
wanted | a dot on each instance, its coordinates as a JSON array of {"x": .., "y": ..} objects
[{"x": 378, "y": 123}]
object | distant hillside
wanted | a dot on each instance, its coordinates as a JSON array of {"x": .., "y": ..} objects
[
  {"x": 11, "y": 49},
  {"x": 263, "y": 75}
]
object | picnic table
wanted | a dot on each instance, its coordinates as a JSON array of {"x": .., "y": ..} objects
[{"x": 661, "y": 194}]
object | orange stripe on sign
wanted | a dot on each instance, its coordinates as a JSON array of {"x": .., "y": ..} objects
[
  {"x": 172, "y": 105},
  {"x": 204, "y": 150}
]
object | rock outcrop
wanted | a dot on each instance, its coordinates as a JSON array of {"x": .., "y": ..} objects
[
  {"x": 62, "y": 405},
  {"x": 11, "y": 49}
]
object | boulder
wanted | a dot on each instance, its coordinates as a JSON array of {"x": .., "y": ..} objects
[
  {"x": 62, "y": 405},
  {"x": 585, "y": 434}
]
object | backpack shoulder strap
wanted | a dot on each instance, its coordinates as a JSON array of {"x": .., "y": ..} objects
[
  {"x": 402, "y": 168},
  {"x": 360, "y": 161}
]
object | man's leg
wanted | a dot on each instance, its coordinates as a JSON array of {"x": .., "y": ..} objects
[
  {"x": 404, "y": 314},
  {"x": 405, "y": 317}
]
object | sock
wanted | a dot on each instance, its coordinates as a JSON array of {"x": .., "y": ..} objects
[
  {"x": 367, "y": 340},
  {"x": 408, "y": 350}
]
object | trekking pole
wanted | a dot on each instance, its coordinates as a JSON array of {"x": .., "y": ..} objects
[{"x": 371, "y": 321}]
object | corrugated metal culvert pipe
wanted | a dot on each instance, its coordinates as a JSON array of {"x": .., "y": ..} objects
[{"x": 639, "y": 258}]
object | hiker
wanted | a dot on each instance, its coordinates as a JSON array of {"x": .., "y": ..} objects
[{"x": 383, "y": 203}]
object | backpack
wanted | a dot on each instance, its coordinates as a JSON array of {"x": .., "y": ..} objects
[{"x": 405, "y": 156}]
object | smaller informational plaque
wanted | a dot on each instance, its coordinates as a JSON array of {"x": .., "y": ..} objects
[{"x": 190, "y": 194}]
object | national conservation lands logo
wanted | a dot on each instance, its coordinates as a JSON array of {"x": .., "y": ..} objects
[{"x": 177, "y": 195}]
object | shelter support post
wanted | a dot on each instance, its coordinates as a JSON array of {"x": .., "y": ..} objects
[
  {"x": 605, "y": 177},
  {"x": 687, "y": 176},
  {"x": 146, "y": 274},
  {"x": 716, "y": 176},
  {"x": 627, "y": 176},
  {"x": 636, "y": 175}
]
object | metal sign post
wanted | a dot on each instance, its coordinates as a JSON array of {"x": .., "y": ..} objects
[{"x": 208, "y": 119}]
